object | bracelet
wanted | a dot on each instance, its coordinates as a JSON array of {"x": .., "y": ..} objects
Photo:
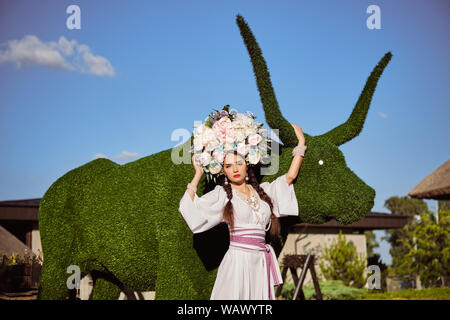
[
  {"x": 299, "y": 151},
  {"x": 191, "y": 186}
]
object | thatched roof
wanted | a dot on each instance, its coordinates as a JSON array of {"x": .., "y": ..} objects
[{"x": 435, "y": 186}]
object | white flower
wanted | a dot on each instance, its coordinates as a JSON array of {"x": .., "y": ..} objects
[
  {"x": 198, "y": 143},
  {"x": 254, "y": 158},
  {"x": 212, "y": 144},
  {"x": 218, "y": 156},
  {"x": 228, "y": 147},
  {"x": 215, "y": 169},
  {"x": 242, "y": 148},
  {"x": 248, "y": 122},
  {"x": 208, "y": 135},
  {"x": 239, "y": 116},
  {"x": 205, "y": 158},
  {"x": 249, "y": 131},
  {"x": 239, "y": 134},
  {"x": 254, "y": 139}
]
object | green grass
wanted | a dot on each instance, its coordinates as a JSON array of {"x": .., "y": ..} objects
[
  {"x": 331, "y": 290},
  {"x": 336, "y": 290},
  {"x": 408, "y": 294}
]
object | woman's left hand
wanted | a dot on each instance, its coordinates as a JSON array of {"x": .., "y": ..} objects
[{"x": 299, "y": 134}]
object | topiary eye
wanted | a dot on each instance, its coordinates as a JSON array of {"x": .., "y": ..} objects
[{"x": 320, "y": 162}]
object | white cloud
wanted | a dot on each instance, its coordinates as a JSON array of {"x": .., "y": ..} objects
[
  {"x": 63, "y": 54},
  {"x": 100, "y": 155},
  {"x": 125, "y": 156},
  {"x": 382, "y": 115}
]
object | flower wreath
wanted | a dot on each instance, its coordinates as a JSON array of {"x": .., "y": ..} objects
[{"x": 228, "y": 131}]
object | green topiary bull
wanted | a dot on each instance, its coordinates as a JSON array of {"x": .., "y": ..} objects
[{"x": 121, "y": 224}]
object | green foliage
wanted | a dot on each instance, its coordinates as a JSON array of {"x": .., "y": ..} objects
[
  {"x": 331, "y": 290},
  {"x": 406, "y": 206},
  {"x": 371, "y": 241},
  {"x": 17, "y": 258},
  {"x": 429, "y": 252},
  {"x": 443, "y": 205},
  {"x": 340, "y": 261},
  {"x": 407, "y": 294},
  {"x": 105, "y": 290},
  {"x": 398, "y": 238}
]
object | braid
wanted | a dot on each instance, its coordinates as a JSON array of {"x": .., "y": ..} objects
[
  {"x": 228, "y": 215},
  {"x": 275, "y": 223}
]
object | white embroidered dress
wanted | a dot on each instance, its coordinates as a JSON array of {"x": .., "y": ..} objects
[{"x": 243, "y": 272}]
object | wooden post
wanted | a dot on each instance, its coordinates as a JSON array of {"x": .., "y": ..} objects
[{"x": 298, "y": 287}]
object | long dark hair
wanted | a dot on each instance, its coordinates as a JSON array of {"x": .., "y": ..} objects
[{"x": 228, "y": 212}]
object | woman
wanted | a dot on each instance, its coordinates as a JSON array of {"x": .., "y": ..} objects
[{"x": 249, "y": 269}]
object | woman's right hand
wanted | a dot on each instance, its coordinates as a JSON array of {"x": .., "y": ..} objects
[{"x": 198, "y": 169}]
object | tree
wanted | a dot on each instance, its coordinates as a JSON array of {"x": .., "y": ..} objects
[
  {"x": 444, "y": 205},
  {"x": 371, "y": 242},
  {"x": 429, "y": 253},
  {"x": 340, "y": 261},
  {"x": 398, "y": 238}
]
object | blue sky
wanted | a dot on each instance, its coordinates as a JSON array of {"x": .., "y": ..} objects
[{"x": 146, "y": 68}]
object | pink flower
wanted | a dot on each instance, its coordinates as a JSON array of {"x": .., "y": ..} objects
[
  {"x": 220, "y": 128},
  {"x": 230, "y": 136}
]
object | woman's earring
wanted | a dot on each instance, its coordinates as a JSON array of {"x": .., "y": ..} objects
[
  {"x": 246, "y": 177},
  {"x": 226, "y": 180}
]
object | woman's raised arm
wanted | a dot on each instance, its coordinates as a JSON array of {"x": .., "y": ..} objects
[
  {"x": 196, "y": 179},
  {"x": 297, "y": 159}
]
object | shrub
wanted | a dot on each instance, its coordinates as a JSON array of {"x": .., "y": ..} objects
[{"x": 340, "y": 261}]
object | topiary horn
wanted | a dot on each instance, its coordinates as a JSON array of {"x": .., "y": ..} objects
[
  {"x": 353, "y": 126},
  {"x": 272, "y": 111}
]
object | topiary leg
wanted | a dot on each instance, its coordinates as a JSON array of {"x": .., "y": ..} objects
[
  {"x": 105, "y": 290},
  {"x": 180, "y": 273},
  {"x": 53, "y": 282}
]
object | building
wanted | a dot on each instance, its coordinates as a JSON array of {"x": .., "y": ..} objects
[
  {"x": 304, "y": 237},
  {"x": 20, "y": 219}
]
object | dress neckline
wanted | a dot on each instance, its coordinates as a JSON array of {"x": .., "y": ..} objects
[
  {"x": 245, "y": 198},
  {"x": 249, "y": 187}
]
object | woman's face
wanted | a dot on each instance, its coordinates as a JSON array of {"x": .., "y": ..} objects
[{"x": 235, "y": 168}]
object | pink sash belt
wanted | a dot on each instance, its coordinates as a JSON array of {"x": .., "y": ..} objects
[{"x": 254, "y": 239}]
